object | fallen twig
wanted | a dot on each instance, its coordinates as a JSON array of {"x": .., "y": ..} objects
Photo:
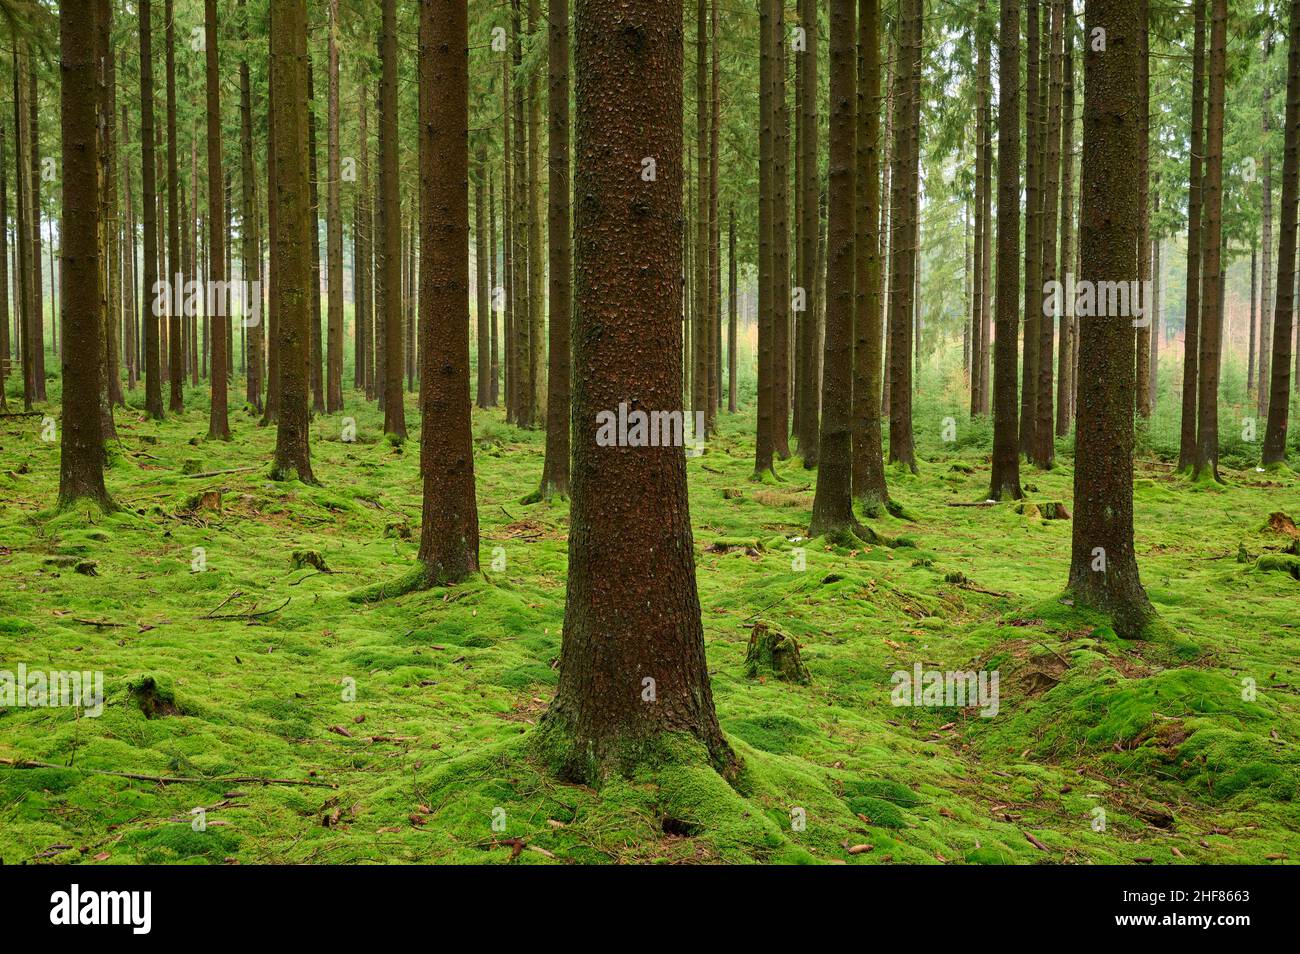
[
  {"x": 171, "y": 779},
  {"x": 252, "y": 615},
  {"x": 218, "y": 473}
]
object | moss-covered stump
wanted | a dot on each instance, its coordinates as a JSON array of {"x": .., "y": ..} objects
[
  {"x": 309, "y": 558},
  {"x": 1279, "y": 563},
  {"x": 1055, "y": 510},
  {"x": 774, "y": 654},
  {"x": 154, "y": 697}
]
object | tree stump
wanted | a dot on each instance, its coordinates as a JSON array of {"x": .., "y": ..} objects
[{"x": 775, "y": 654}]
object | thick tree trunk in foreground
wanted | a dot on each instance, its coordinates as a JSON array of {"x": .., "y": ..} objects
[
  {"x": 1283, "y": 313},
  {"x": 869, "y": 486},
  {"x": 449, "y": 525},
  {"x": 1207, "y": 417},
  {"x": 832, "y": 511},
  {"x": 555, "y": 470},
  {"x": 632, "y": 664},
  {"x": 389, "y": 238},
  {"x": 293, "y": 241},
  {"x": 81, "y": 458},
  {"x": 218, "y": 426},
  {"x": 1103, "y": 565},
  {"x": 1006, "y": 456},
  {"x": 1192, "y": 323}
]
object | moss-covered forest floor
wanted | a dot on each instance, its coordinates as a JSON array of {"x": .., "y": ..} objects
[{"x": 247, "y": 666}]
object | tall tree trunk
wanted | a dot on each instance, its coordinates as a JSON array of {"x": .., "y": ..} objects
[
  {"x": 1207, "y": 420},
  {"x": 1103, "y": 565},
  {"x": 317, "y": 354},
  {"x": 34, "y": 223},
  {"x": 978, "y": 343},
  {"x": 732, "y": 317},
  {"x": 869, "y": 487},
  {"x": 288, "y": 40},
  {"x": 271, "y": 412},
  {"x": 508, "y": 240},
  {"x": 5, "y": 350},
  {"x": 250, "y": 256},
  {"x": 555, "y": 470},
  {"x": 1266, "y": 299},
  {"x": 1142, "y": 372},
  {"x": 110, "y": 224},
  {"x": 151, "y": 313},
  {"x": 449, "y": 525},
  {"x": 23, "y": 293},
  {"x": 1045, "y": 426},
  {"x": 1192, "y": 324},
  {"x": 1034, "y": 138},
  {"x": 494, "y": 394},
  {"x": 333, "y": 227},
  {"x": 366, "y": 317},
  {"x": 808, "y": 413},
  {"x": 1154, "y": 362},
  {"x": 1065, "y": 321},
  {"x": 390, "y": 236},
  {"x": 1283, "y": 315},
  {"x": 482, "y": 382},
  {"x": 536, "y": 261},
  {"x": 1254, "y": 284},
  {"x": 522, "y": 271},
  {"x": 81, "y": 457},
  {"x": 699, "y": 210},
  {"x": 832, "y": 512},
  {"x": 218, "y": 426},
  {"x": 780, "y": 240},
  {"x": 632, "y": 664},
  {"x": 715, "y": 225},
  {"x": 175, "y": 335},
  {"x": 904, "y": 256},
  {"x": 1006, "y": 457},
  {"x": 764, "y": 450}
]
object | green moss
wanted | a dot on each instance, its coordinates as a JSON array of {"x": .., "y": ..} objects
[{"x": 450, "y": 683}]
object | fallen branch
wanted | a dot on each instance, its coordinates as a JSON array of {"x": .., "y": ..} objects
[
  {"x": 978, "y": 503},
  {"x": 97, "y": 622},
  {"x": 218, "y": 473},
  {"x": 252, "y": 615},
  {"x": 171, "y": 779},
  {"x": 223, "y": 603}
]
